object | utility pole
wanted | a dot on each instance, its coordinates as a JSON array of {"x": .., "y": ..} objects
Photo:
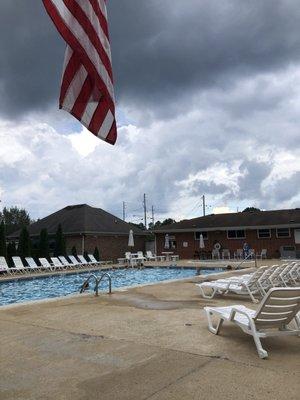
[
  {"x": 124, "y": 210},
  {"x": 203, "y": 204},
  {"x": 152, "y": 211},
  {"x": 145, "y": 211}
]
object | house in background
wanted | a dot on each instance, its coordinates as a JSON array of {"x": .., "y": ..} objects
[
  {"x": 86, "y": 227},
  {"x": 277, "y": 231}
]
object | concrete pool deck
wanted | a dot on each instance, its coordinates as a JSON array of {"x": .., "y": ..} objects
[{"x": 149, "y": 342}]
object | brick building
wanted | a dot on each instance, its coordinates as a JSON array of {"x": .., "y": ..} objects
[
  {"x": 277, "y": 231},
  {"x": 86, "y": 227}
]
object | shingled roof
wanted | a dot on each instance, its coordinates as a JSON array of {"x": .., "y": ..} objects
[
  {"x": 82, "y": 219},
  {"x": 241, "y": 220}
]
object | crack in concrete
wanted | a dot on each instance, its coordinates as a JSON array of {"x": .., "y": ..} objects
[
  {"x": 177, "y": 380},
  {"x": 102, "y": 337}
]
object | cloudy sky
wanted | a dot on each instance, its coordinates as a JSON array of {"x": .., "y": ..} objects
[{"x": 208, "y": 102}]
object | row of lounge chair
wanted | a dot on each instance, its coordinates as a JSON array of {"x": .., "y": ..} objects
[
  {"x": 277, "y": 312},
  {"x": 256, "y": 284},
  {"x": 56, "y": 264}
]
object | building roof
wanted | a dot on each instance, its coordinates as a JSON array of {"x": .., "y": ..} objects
[
  {"x": 82, "y": 219},
  {"x": 240, "y": 220}
]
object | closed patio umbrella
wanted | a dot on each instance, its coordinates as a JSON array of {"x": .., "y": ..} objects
[
  {"x": 201, "y": 242},
  {"x": 167, "y": 242},
  {"x": 130, "y": 239}
]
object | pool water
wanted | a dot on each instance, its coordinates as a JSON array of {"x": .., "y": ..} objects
[{"x": 37, "y": 288}]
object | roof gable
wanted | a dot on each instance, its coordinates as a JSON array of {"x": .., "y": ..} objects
[{"x": 82, "y": 218}]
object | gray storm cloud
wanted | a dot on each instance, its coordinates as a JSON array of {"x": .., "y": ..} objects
[
  {"x": 163, "y": 51},
  {"x": 212, "y": 91}
]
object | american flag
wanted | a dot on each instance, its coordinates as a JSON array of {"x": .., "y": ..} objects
[{"x": 87, "y": 90}]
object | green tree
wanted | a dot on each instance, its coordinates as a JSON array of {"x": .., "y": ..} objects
[
  {"x": 2, "y": 240},
  {"x": 24, "y": 247},
  {"x": 96, "y": 254},
  {"x": 168, "y": 221},
  {"x": 60, "y": 243},
  {"x": 15, "y": 218},
  {"x": 11, "y": 252},
  {"x": 74, "y": 251},
  {"x": 251, "y": 209},
  {"x": 85, "y": 255},
  {"x": 43, "y": 246}
]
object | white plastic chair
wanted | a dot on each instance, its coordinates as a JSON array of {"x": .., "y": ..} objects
[
  {"x": 277, "y": 309},
  {"x": 32, "y": 264},
  {"x": 57, "y": 263},
  {"x": 18, "y": 263},
  {"x": 75, "y": 262},
  {"x": 46, "y": 265},
  {"x": 66, "y": 263},
  {"x": 238, "y": 285},
  {"x": 93, "y": 260},
  {"x": 150, "y": 256},
  {"x": 5, "y": 268},
  {"x": 263, "y": 254}
]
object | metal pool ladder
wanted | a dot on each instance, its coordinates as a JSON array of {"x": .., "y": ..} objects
[{"x": 97, "y": 283}]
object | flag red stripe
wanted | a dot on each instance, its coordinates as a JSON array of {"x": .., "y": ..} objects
[
  {"x": 83, "y": 98},
  {"x": 98, "y": 117},
  {"x": 69, "y": 73},
  {"x": 101, "y": 17},
  {"x": 86, "y": 25},
  {"x": 79, "y": 95},
  {"x": 112, "y": 135}
]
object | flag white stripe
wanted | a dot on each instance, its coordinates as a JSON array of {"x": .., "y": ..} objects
[
  {"x": 90, "y": 13},
  {"x": 103, "y": 8},
  {"x": 106, "y": 125},
  {"x": 75, "y": 88},
  {"x": 85, "y": 42},
  {"x": 89, "y": 111}
]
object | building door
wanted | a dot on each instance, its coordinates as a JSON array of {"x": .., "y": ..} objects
[{"x": 297, "y": 236}]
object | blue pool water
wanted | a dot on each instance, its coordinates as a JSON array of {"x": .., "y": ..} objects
[{"x": 38, "y": 288}]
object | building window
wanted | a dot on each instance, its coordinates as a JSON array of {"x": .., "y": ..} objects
[
  {"x": 263, "y": 233},
  {"x": 197, "y": 235},
  {"x": 283, "y": 232},
  {"x": 236, "y": 234},
  {"x": 172, "y": 242}
]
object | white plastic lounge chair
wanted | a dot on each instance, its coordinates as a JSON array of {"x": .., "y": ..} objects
[
  {"x": 248, "y": 286},
  {"x": 75, "y": 262},
  {"x": 32, "y": 264},
  {"x": 93, "y": 260},
  {"x": 85, "y": 262},
  {"x": 46, "y": 265},
  {"x": 285, "y": 277},
  {"x": 57, "y": 263},
  {"x": 5, "y": 268},
  {"x": 18, "y": 263},
  {"x": 264, "y": 282},
  {"x": 277, "y": 309},
  {"x": 294, "y": 274},
  {"x": 66, "y": 263},
  {"x": 174, "y": 257}
]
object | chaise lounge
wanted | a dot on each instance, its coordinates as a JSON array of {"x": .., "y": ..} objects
[{"x": 277, "y": 309}]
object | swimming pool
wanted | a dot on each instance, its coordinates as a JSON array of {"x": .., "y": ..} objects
[{"x": 37, "y": 288}]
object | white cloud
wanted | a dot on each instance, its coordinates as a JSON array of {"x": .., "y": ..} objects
[{"x": 236, "y": 158}]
